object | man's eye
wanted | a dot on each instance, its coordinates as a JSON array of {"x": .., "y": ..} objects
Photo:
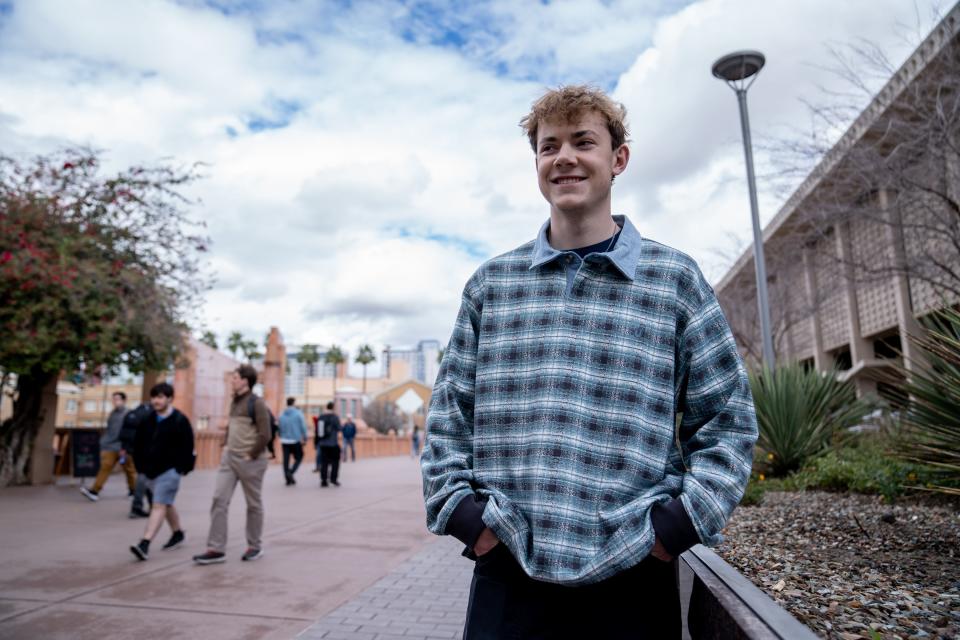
[
  {"x": 584, "y": 143},
  {"x": 545, "y": 148}
]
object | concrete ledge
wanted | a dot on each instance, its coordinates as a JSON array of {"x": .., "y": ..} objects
[{"x": 725, "y": 605}]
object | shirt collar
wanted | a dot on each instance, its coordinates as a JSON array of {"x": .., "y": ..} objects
[{"x": 625, "y": 254}]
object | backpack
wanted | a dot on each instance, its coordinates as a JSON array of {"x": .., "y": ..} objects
[
  {"x": 328, "y": 427},
  {"x": 131, "y": 422},
  {"x": 274, "y": 426}
]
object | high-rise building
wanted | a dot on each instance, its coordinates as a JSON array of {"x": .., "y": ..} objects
[
  {"x": 299, "y": 371},
  {"x": 422, "y": 360}
]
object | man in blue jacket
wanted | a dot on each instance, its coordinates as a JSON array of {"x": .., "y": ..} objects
[
  {"x": 293, "y": 435},
  {"x": 592, "y": 418}
]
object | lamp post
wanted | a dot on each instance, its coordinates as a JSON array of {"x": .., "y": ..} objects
[{"x": 739, "y": 69}]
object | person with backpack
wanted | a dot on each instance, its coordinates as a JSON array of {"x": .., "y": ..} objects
[
  {"x": 163, "y": 451},
  {"x": 293, "y": 435},
  {"x": 112, "y": 451},
  {"x": 328, "y": 456},
  {"x": 349, "y": 435},
  {"x": 244, "y": 460},
  {"x": 128, "y": 434}
]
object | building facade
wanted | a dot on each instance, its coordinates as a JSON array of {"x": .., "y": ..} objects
[
  {"x": 423, "y": 361},
  {"x": 868, "y": 243}
]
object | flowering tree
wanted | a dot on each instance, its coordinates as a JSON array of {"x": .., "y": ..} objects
[{"x": 95, "y": 271}]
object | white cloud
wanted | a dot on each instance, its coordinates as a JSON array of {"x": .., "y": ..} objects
[{"x": 363, "y": 159}]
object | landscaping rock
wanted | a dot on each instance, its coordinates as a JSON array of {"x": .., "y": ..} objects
[{"x": 851, "y": 566}]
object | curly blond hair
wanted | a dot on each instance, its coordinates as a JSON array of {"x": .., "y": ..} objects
[{"x": 568, "y": 103}]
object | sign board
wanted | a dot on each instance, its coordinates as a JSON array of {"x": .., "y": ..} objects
[
  {"x": 86, "y": 452},
  {"x": 409, "y": 402}
]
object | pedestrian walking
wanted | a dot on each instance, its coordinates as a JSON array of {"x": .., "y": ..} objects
[
  {"x": 349, "y": 434},
  {"x": 325, "y": 438},
  {"x": 163, "y": 451},
  {"x": 415, "y": 442},
  {"x": 591, "y": 418},
  {"x": 244, "y": 461},
  {"x": 293, "y": 437},
  {"x": 132, "y": 421},
  {"x": 112, "y": 451}
]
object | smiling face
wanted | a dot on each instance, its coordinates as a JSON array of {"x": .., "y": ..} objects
[{"x": 576, "y": 164}]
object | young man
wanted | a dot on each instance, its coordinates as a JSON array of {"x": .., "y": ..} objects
[
  {"x": 163, "y": 451},
  {"x": 328, "y": 451},
  {"x": 245, "y": 461},
  {"x": 592, "y": 418},
  {"x": 112, "y": 451},
  {"x": 349, "y": 435},
  {"x": 293, "y": 435}
]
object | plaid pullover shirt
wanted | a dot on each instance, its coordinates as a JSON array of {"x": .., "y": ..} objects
[{"x": 554, "y": 418}]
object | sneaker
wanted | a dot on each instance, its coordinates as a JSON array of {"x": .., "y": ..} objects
[
  {"x": 138, "y": 513},
  {"x": 141, "y": 549},
  {"x": 252, "y": 554},
  {"x": 210, "y": 557},
  {"x": 323, "y": 484},
  {"x": 335, "y": 483},
  {"x": 175, "y": 540},
  {"x": 90, "y": 494}
]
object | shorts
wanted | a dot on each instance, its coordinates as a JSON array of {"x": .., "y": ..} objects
[{"x": 165, "y": 486}]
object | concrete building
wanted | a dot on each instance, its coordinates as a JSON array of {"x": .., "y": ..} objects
[
  {"x": 845, "y": 253},
  {"x": 298, "y": 372},
  {"x": 423, "y": 361}
]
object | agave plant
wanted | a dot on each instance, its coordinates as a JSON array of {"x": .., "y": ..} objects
[
  {"x": 930, "y": 427},
  {"x": 799, "y": 411}
]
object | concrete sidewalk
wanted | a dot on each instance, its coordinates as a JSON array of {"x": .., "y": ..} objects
[{"x": 66, "y": 571}]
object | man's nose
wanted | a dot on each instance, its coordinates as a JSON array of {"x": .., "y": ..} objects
[{"x": 565, "y": 156}]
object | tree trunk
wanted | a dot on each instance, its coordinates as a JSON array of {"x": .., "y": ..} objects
[{"x": 19, "y": 432}]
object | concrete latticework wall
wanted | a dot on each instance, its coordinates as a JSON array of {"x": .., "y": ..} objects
[{"x": 851, "y": 262}]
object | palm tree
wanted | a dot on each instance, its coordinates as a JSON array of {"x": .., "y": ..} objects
[
  {"x": 209, "y": 338},
  {"x": 365, "y": 356},
  {"x": 309, "y": 356},
  {"x": 250, "y": 351},
  {"x": 235, "y": 342},
  {"x": 335, "y": 357}
]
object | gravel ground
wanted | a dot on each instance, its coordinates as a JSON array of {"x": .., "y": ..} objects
[{"x": 850, "y": 566}]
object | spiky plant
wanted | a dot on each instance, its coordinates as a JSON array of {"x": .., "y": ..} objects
[
  {"x": 799, "y": 411},
  {"x": 930, "y": 426}
]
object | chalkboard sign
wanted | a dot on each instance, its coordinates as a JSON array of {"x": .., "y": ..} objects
[{"x": 86, "y": 452}]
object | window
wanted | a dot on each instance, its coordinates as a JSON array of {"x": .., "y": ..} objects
[
  {"x": 69, "y": 424},
  {"x": 71, "y": 407},
  {"x": 89, "y": 406},
  {"x": 343, "y": 406},
  {"x": 353, "y": 407}
]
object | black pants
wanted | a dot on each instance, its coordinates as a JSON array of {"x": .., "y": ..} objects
[
  {"x": 329, "y": 461},
  {"x": 640, "y": 603},
  {"x": 294, "y": 451}
]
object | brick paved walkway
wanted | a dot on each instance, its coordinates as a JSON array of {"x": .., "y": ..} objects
[{"x": 423, "y": 598}]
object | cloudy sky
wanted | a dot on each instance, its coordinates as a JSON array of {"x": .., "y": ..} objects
[{"x": 364, "y": 157}]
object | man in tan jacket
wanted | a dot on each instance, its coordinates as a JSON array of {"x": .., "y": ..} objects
[{"x": 245, "y": 461}]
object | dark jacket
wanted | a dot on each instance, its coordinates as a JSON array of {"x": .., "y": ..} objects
[
  {"x": 163, "y": 445},
  {"x": 333, "y": 427},
  {"x": 349, "y": 430}
]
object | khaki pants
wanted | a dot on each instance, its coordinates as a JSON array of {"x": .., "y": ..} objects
[
  {"x": 249, "y": 473},
  {"x": 108, "y": 460}
]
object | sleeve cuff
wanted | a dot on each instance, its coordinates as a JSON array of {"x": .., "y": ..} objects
[
  {"x": 673, "y": 526},
  {"x": 466, "y": 521}
]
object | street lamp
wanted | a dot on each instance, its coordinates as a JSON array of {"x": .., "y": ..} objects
[{"x": 739, "y": 69}]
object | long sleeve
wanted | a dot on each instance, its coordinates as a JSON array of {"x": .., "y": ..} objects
[
  {"x": 261, "y": 417},
  {"x": 303, "y": 425},
  {"x": 447, "y": 460},
  {"x": 717, "y": 433}
]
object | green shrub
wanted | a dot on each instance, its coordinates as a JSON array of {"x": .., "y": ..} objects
[
  {"x": 930, "y": 427},
  {"x": 798, "y": 413}
]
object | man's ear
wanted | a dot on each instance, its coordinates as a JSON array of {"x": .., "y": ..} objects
[{"x": 621, "y": 157}]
